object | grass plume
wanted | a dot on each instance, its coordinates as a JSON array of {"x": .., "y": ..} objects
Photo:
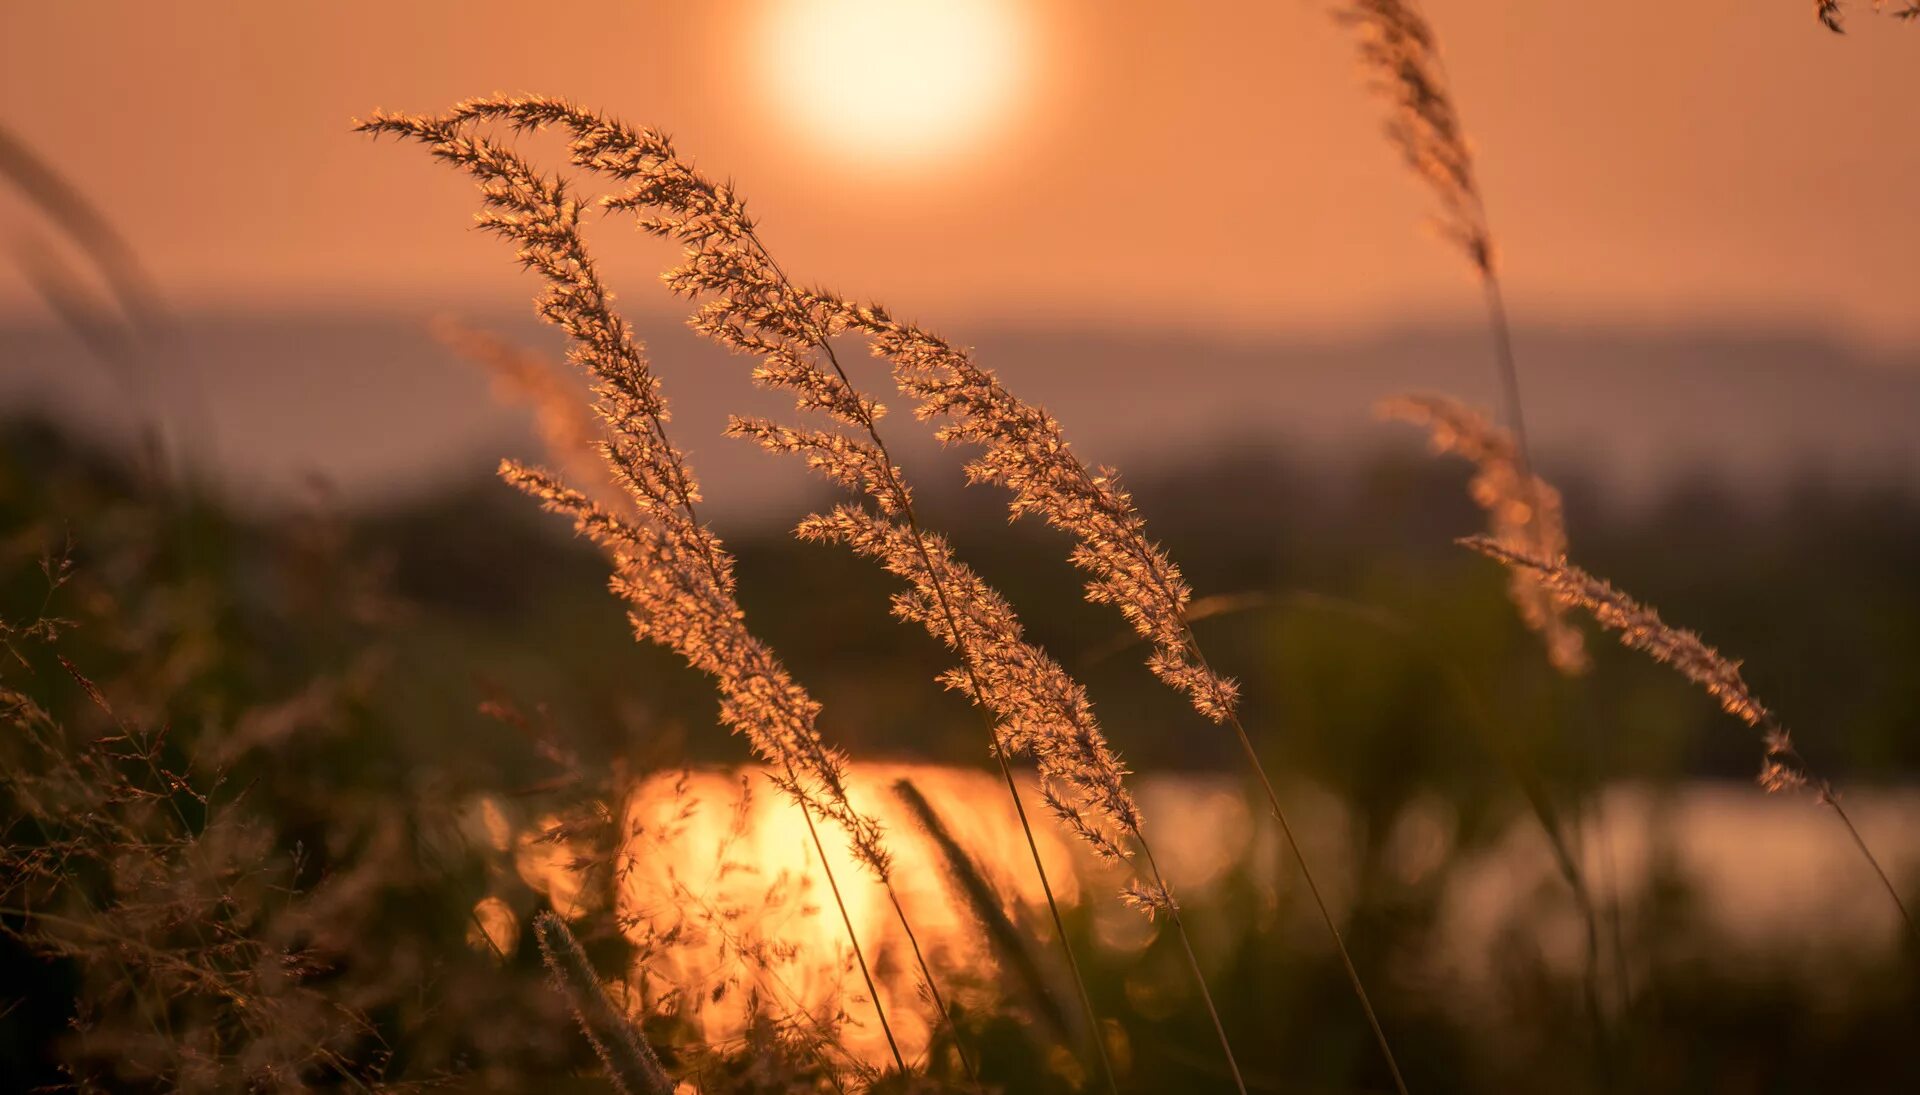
[
  {"x": 1400, "y": 55},
  {"x": 1025, "y": 450},
  {"x": 568, "y": 430},
  {"x": 669, "y": 567},
  {"x": 750, "y": 305},
  {"x": 1522, "y": 509},
  {"x": 1639, "y": 627}
]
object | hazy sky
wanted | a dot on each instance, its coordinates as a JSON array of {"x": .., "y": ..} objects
[{"x": 1195, "y": 165}]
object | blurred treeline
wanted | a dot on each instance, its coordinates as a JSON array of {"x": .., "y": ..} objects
[
  {"x": 1381, "y": 662},
  {"x": 1342, "y": 604}
]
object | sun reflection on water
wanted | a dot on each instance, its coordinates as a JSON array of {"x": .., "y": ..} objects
[
  {"x": 720, "y": 889},
  {"x": 725, "y": 898}
]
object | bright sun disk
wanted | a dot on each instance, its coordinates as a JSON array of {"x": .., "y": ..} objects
[{"x": 898, "y": 82}]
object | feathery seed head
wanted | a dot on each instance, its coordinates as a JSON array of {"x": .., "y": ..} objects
[
  {"x": 1522, "y": 510},
  {"x": 748, "y": 304},
  {"x": 1401, "y": 58},
  {"x": 1640, "y": 628},
  {"x": 1024, "y": 449},
  {"x": 672, "y": 571}
]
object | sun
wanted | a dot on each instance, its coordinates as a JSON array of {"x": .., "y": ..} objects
[{"x": 896, "y": 83}]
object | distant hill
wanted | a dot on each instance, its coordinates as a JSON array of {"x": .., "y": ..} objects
[{"x": 374, "y": 405}]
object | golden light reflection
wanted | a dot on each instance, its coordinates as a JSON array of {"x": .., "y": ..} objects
[
  {"x": 720, "y": 888},
  {"x": 498, "y": 828},
  {"x": 546, "y": 865},
  {"x": 494, "y": 927},
  {"x": 896, "y": 82},
  {"x": 727, "y": 903}
]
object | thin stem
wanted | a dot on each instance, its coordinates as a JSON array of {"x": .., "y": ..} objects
[
  {"x": 1339, "y": 943},
  {"x": 1273, "y": 802},
  {"x": 933, "y": 990},
  {"x": 1828, "y": 796},
  {"x": 865, "y": 974},
  {"x": 1059, "y": 927},
  {"x": 1824, "y": 788},
  {"x": 473, "y": 914},
  {"x": 1513, "y": 410},
  {"x": 1590, "y": 832},
  {"x": 1509, "y": 371},
  {"x": 1193, "y": 962},
  {"x": 1313, "y": 887},
  {"x": 1138, "y": 545},
  {"x": 1512, "y": 406}
]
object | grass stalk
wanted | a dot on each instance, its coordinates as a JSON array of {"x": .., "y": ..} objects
[
  {"x": 1313, "y": 887},
  {"x": 1193, "y": 964},
  {"x": 1005, "y": 938},
  {"x": 967, "y": 661},
  {"x": 1504, "y": 364},
  {"x": 933, "y": 989},
  {"x": 1831, "y": 799},
  {"x": 853, "y": 937},
  {"x": 1252, "y": 757},
  {"x": 1640, "y": 627},
  {"x": 630, "y": 1062}
]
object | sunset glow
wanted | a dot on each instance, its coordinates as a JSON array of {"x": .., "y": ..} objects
[
  {"x": 895, "y": 84},
  {"x": 960, "y": 547}
]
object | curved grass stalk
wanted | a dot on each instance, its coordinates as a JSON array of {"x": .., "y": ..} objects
[
  {"x": 1025, "y": 451},
  {"x": 896, "y": 490},
  {"x": 567, "y": 431},
  {"x": 668, "y": 565},
  {"x": 1639, "y": 627},
  {"x": 754, "y": 307}
]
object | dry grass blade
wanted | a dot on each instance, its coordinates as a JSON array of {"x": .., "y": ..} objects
[
  {"x": 1006, "y": 939},
  {"x": 1639, "y": 627},
  {"x": 139, "y": 342},
  {"x": 630, "y": 1062}
]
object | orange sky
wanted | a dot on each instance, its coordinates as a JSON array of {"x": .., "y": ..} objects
[{"x": 1218, "y": 167}]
